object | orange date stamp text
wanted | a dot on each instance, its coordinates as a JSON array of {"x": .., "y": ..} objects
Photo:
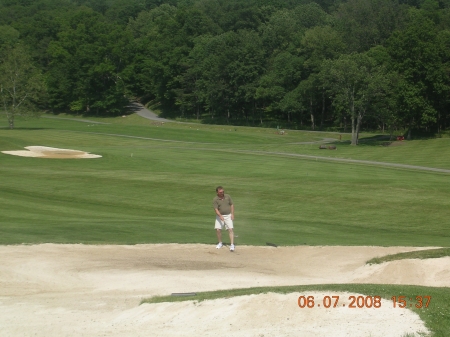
[{"x": 353, "y": 302}]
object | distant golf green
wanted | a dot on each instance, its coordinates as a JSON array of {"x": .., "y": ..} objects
[{"x": 155, "y": 184}]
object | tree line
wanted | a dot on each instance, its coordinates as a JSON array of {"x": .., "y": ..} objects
[{"x": 372, "y": 64}]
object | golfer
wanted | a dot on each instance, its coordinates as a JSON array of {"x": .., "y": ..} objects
[{"x": 224, "y": 208}]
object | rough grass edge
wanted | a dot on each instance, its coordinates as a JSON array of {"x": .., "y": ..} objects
[{"x": 421, "y": 254}]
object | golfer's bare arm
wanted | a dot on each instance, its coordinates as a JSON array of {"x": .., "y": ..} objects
[
  {"x": 232, "y": 212},
  {"x": 218, "y": 214}
]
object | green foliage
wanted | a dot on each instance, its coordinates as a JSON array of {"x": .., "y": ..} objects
[
  {"x": 8, "y": 37},
  {"x": 417, "y": 56},
  {"x": 86, "y": 63},
  {"x": 21, "y": 84},
  {"x": 253, "y": 62},
  {"x": 161, "y": 47},
  {"x": 365, "y": 24},
  {"x": 223, "y": 71}
]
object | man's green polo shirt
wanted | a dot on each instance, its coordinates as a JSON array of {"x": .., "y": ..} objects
[{"x": 223, "y": 205}]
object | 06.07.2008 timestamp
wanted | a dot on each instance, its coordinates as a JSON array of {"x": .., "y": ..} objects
[{"x": 363, "y": 302}]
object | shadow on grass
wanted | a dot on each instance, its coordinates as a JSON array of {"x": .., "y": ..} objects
[
  {"x": 371, "y": 141},
  {"x": 23, "y": 128},
  {"x": 375, "y": 140}
]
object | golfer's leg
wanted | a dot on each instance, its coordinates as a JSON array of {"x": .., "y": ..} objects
[
  {"x": 231, "y": 233},
  {"x": 219, "y": 234}
]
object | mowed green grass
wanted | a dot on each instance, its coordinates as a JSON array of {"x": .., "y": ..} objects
[{"x": 155, "y": 183}]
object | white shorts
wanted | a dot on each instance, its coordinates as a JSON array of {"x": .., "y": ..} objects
[{"x": 227, "y": 223}]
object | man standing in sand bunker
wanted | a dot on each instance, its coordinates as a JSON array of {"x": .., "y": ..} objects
[{"x": 224, "y": 209}]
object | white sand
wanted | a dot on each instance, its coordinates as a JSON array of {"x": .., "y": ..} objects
[
  {"x": 83, "y": 290},
  {"x": 51, "y": 152}
]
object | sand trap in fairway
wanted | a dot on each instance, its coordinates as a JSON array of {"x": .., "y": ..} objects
[
  {"x": 51, "y": 152},
  {"x": 86, "y": 290}
]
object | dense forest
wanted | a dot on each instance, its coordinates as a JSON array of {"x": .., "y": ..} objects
[{"x": 355, "y": 64}]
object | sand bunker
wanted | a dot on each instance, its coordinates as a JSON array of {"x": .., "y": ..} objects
[
  {"x": 51, "y": 152},
  {"x": 85, "y": 290}
]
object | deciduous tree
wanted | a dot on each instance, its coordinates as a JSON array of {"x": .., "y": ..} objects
[
  {"x": 356, "y": 83},
  {"x": 21, "y": 84}
]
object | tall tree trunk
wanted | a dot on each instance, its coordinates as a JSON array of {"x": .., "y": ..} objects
[
  {"x": 311, "y": 112},
  {"x": 358, "y": 127},
  {"x": 408, "y": 137},
  {"x": 354, "y": 124},
  {"x": 354, "y": 134},
  {"x": 439, "y": 123},
  {"x": 356, "y": 119},
  {"x": 323, "y": 109},
  {"x": 261, "y": 113},
  {"x": 391, "y": 136}
]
